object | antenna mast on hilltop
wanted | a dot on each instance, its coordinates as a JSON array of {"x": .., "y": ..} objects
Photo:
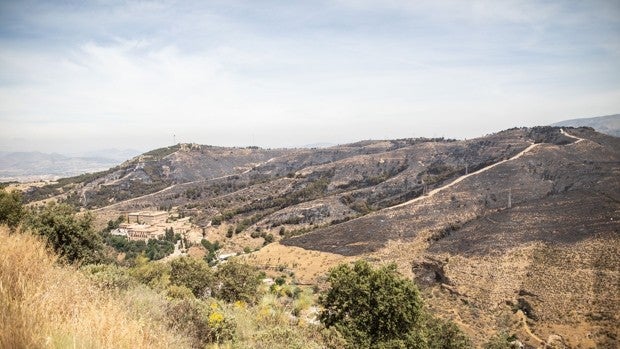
[{"x": 174, "y": 139}]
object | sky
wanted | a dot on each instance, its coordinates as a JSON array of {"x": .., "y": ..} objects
[{"x": 85, "y": 75}]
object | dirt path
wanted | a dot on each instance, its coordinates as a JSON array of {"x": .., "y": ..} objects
[
  {"x": 176, "y": 185},
  {"x": 526, "y": 327},
  {"x": 437, "y": 190},
  {"x": 571, "y": 136}
]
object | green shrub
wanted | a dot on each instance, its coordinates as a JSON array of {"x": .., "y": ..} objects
[
  {"x": 500, "y": 341},
  {"x": 378, "y": 308},
  {"x": 369, "y": 306},
  {"x": 158, "y": 249},
  {"x": 195, "y": 274},
  {"x": 202, "y": 323},
  {"x": 236, "y": 282},
  {"x": 445, "y": 334},
  {"x": 11, "y": 209},
  {"x": 155, "y": 275},
  {"x": 179, "y": 292},
  {"x": 109, "y": 276},
  {"x": 69, "y": 234},
  {"x": 217, "y": 220}
]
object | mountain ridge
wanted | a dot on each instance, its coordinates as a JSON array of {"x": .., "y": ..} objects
[
  {"x": 504, "y": 226},
  {"x": 608, "y": 124}
]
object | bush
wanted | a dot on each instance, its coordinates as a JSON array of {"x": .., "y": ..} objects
[
  {"x": 121, "y": 244},
  {"x": 202, "y": 323},
  {"x": 378, "y": 308},
  {"x": 158, "y": 249},
  {"x": 237, "y": 282},
  {"x": 230, "y": 232},
  {"x": 11, "y": 209},
  {"x": 155, "y": 275},
  {"x": 268, "y": 239},
  {"x": 500, "y": 341},
  {"x": 179, "y": 292},
  {"x": 194, "y": 274},
  {"x": 217, "y": 220},
  {"x": 370, "y": 306},
  {"x": 445, "y": 334},
  {"x": 70, "y": 235},
  {"x": 109, "y": 276}
]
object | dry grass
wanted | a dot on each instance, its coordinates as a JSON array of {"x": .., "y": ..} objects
[
  {"x": 46, "y": 305},
  {"x": 308, "y": 265}
]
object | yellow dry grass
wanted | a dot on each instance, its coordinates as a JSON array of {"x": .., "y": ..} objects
[
  {"x": 44, "y": 305},
  {"x": 308, "y": 265}
]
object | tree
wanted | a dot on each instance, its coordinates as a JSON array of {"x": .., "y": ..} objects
[
  {"x": 211, "y": 248},
  {"x": 11, "y": 209},
  {"x": 370, "y": 306},
  {"x": 69, "y": 234},
  {"x": 268, "y": 239},
  {"x": 158, "y": 249},
  {"x": 114, "y": 224},
  {"x": 236, "y": 282},
  {"x": 156, "y": 275},
  {"x": 217, "y": 220},
  {"x": 194, "y": 274},
  {"x": 378, "y": 308},
  {"x": 169, "y": 235}
]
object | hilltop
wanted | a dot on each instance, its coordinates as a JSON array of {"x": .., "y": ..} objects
[{"x": 498, "y": 231}]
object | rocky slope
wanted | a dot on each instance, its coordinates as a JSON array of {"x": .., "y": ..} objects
[
  {"x": 545, "y": 265},
  {"x": 515, "y": 231}
]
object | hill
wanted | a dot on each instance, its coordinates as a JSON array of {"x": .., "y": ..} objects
[
  {"x": 609, "y": 124},
  {"x": 499, "y": 231}
]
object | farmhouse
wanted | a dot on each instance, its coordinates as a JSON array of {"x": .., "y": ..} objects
[
  {"x": 135, "y": 231},
  {"x": 147, "y": 217}
]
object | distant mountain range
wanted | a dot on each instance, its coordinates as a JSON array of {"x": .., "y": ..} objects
[
  {"x": 609, "y": 124},
  {"x": 32, "y": 166},
  {"x": 119, "y": 155},
  {"x": 29, "y": 166}
]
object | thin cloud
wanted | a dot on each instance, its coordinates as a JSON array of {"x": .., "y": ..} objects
[{"x": 232, "y": 73}]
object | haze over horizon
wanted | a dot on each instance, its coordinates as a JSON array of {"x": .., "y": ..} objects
[{"x": 83, "y": 76}]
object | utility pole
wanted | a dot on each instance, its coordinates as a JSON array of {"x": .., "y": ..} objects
[{"x": 510, "y": 198}]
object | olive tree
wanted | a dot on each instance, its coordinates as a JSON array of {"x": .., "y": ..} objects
[
  {"x": 194, "y": 274},
  {"x": 378, "y": 308},
  {"x": 370, "y": 306}
]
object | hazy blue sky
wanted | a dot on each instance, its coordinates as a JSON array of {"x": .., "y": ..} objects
[{"x": 80, "y": 75}]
